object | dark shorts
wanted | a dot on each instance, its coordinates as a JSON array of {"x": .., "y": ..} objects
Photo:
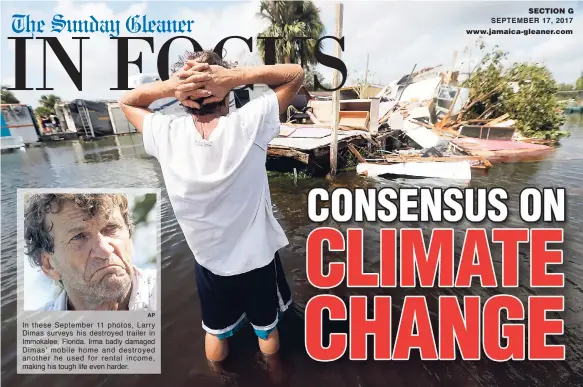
[{"x": 260, "y": 296}]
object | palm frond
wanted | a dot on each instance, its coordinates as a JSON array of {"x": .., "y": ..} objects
[{"x": 290, "y": 19}]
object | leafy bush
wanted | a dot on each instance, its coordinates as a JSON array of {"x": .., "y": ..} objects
[{"x": 526, "y": 91}]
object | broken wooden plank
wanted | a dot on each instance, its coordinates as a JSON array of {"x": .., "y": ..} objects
[
  {"x": 475, "y": 101},
  {"x": 386, "y": 116},
  {"x": 497, "y": 151},
  {"x": 384, "y": 135},
  {"x": 416, "y": 158},
  {"x": 421, "y": 123},
  {"x": 485, "y": 113},
  {"x": 478, "y": 166},
  {"x": 445, "y": 119},
  {"x": 287, "y": 152},
  {"x": 356, "y": 153},
  {"x": 369, "y": 138},
  {"x": 498, "y": 120},
  {"x": 344, "y": 127},
  {"x": 342, "y": 143},
  {"x": 439, "y": 131}
]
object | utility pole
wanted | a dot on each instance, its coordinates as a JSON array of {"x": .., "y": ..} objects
[
  {"x": 366, "y": 71},
  {"x": 336, "y": 96}
]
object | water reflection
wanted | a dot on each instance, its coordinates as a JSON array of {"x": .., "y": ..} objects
[{"x": 102, "y": 156}]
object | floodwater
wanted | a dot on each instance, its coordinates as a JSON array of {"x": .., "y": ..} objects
[{"x": 121, "y": 162}]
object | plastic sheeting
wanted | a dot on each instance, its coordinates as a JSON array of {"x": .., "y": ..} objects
[{"x": 420, "y": 91}]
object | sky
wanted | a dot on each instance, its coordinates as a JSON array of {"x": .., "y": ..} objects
[{"x": 395, "y": 35}]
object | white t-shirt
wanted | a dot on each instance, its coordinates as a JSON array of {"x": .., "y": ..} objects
[{"x": 218, "y": 187}]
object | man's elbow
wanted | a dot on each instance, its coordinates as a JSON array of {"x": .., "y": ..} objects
[
  {"x": 298, "y": 79},
  {"x": 123, "y": 99},
  {"x": 123, "y": 108},
  {"x": 300, "y": 74},
  {"x": 123, "y": 103}
]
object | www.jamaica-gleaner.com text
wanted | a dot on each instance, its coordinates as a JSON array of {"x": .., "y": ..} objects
[{"x": 511, "y": 31}]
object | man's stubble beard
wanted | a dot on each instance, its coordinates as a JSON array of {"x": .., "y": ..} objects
[{"x": 110, "y": 289}]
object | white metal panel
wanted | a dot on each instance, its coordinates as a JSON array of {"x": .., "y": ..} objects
[
  {"x": 119, "y": 121},
  {"x": 27, "y": 133},
  {"x": 423, "y": 136},
  {"x": 20, "y": 122},
  {"x": 457, "y": 170}
]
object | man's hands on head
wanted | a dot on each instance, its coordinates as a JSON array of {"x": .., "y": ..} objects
[
  {"x": 200, "y": 80},
  {"x": 195, "y": 82},
  {"x": 188, "y": 84},
  {"x": 212, "y": 83}
]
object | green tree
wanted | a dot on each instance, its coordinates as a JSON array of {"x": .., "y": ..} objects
[
  {"x": 579, "y": 82},
  {"x": 43, "y": 111},
  {"x": 7, "y": 96},
  {"x": 309, "y": 80},
  {"x": 47, "y": 103},
  {"x": 142, "y": 207},
  {"x": 290, "y": 19},
  {"x": 534, "y": 106},
  {"x": 362, "y": 82},
  {"x": 565, "y": 87},
  {"x": 525, "y": 91}
]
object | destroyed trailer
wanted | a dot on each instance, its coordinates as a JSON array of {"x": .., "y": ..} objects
[{"x": 425, "y": 111}]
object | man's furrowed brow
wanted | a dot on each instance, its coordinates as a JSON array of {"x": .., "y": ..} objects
[{"x": 76, "y": 229}]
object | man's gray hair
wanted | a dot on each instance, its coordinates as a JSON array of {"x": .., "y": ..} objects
[{"x": 37, "y": 235}]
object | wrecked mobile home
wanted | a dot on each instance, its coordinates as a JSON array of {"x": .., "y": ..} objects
[{"x": 413, "y": 126}]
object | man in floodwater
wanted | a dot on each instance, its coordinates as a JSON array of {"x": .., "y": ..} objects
[
  {"x": 83, "y": 241},
  {"x": 213, "y": 163}
]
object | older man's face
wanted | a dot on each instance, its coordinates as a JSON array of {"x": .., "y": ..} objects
[{"x": 92, "y": 256}]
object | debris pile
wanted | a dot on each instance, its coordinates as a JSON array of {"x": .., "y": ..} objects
[
  {"x": 427, "y": 112},
  {"x": 419, "y": 125}
]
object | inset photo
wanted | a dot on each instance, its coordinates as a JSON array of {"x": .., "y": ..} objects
[{"x": 89, "y": 250}]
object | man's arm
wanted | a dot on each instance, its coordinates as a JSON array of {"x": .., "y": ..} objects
[
  {"x": 284, "y": 79},
  {"x": 134, "y": 103}
]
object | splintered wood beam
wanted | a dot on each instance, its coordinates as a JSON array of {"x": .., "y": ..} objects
[
  {"x": 475, "y": 101},
  {"x": 428, "y": 126},
  {"x": 445, "y": 119},
  {"x": 438, "y": 130},
  {"x": 486, "y": 162},
  {"x": 419, "y": 159},
  {"x": 486, "y": 112},
  {"x": 286, "y": 152},
  {"x": 498, "y": 120},
  {"x": 356, "y": 153},
  {"x": 481, "y": 98},
  {"x": 383, "y": 136}
]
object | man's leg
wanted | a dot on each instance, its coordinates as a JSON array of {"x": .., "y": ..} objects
[
  {"x": 270, "y": 346},
  {"x": 222, "y": 311},
  {"x": 267, "y": 296},
  {"x": 272, "y": 361},
  {"x": 216, "y": 349}
]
